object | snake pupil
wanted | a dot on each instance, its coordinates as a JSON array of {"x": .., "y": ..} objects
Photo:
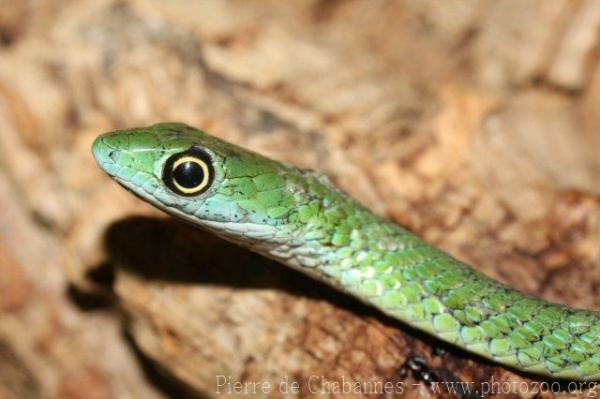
[{"x": 188, "y": 174}]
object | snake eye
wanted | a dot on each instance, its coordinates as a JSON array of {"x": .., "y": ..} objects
[{"x": 188, "y": 173}]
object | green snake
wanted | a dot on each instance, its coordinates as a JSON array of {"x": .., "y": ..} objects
[{"x": 300, "y": 219}]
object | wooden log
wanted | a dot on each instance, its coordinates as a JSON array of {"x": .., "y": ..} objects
[{"x": 474, "y": 124}]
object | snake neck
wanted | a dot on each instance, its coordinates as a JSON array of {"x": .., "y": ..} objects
[{"x": 323, "y": 232}]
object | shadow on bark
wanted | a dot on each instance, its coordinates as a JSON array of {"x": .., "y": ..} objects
[{"x": 170, "y": 251}]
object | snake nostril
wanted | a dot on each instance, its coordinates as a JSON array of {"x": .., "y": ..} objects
[{"x": 113, "y": 155}]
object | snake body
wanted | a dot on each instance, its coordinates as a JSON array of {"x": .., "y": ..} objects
[{"x": 302, "y": 220}]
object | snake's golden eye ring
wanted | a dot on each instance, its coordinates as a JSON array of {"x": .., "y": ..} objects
[{"x": 188, "y": 173}]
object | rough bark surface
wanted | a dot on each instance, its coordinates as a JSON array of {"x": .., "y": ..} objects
[{"x": 475, "y": 124}]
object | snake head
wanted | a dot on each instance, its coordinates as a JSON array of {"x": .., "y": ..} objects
[{"x": 200, "y": 178}]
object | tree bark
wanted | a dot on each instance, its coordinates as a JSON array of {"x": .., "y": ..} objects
[{"x": 474, "y": 124}]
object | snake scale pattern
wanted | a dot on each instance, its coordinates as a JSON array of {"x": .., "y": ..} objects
[{"x": 302, "y": 220}]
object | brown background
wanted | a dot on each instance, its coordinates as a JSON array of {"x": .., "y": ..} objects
[{"x": 474, "y": 123}]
